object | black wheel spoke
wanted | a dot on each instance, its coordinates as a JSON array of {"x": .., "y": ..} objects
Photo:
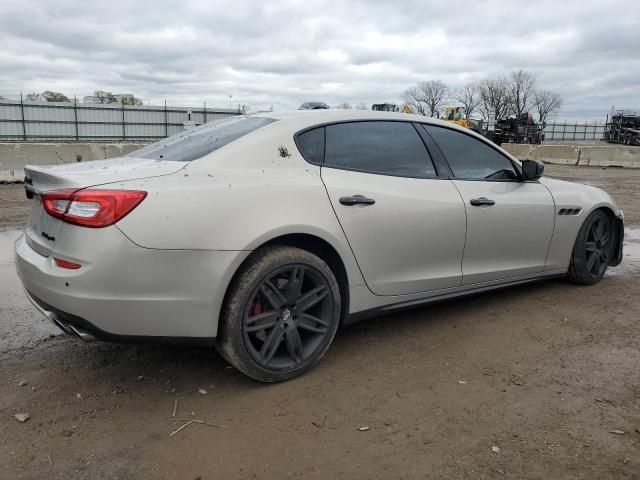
[
  {"x": 261, "y": 317},
  {"x": 294, "y": 285},
  {"x": 262, "y": 321},
  {"x": 590, "y": 246},
  {"x": 604, "y": 239},
  {"x": 311, "y": 298},
  {"x": 591, "y": 261},
  {"x": 599, "y": 229},
  {"x": 273, "y": 295},
  {"x": 312, "y": 324},
  {"x": 271, "y": 344},
  {"x": 288, "y": 317},
  {"x": 294, "y": 344}
]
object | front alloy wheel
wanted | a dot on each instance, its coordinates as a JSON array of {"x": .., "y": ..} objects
[
  {"x": 598, "y": 246},
  {"x": 593, "y": 249}
]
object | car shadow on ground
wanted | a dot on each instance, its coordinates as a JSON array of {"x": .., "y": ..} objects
[{"x": 183, "y": 369}]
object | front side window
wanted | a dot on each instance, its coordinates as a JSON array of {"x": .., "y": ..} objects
[
  {"x": 200, "y": 141},
  {"x": 470, "y": 158},
  {"x": 388, "y": 148}
]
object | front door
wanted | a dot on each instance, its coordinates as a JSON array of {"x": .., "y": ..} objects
[{"x": 509, "y": 222}]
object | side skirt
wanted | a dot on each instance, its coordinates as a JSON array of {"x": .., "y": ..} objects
[{"x": 409, "y": 304}]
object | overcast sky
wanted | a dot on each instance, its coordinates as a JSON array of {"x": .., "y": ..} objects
[{"x": 282, "y": 53}]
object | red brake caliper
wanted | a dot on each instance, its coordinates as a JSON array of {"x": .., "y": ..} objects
[{"x": 256, "y": 308}]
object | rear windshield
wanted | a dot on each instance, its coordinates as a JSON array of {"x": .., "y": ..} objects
[{"x": 200, "y": 141}]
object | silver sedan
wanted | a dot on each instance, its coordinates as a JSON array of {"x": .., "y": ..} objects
[{"x": 262, "y": 234}]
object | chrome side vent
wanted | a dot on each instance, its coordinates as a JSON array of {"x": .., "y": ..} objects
[{"x": 569, "y": 211}]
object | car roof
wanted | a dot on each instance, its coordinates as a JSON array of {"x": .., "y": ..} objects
[
  {"x": 302, "y": 119},
  {"x": 309, "y": 118}
]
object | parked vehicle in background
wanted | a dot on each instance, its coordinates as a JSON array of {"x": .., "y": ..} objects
[
  {"x": 385, "y": 107},
  {"x": 314, "y": 106},
  {"x": 517, "y": 130},
  {"x": 390, "y": 107},
  {"x": 623, "y": 128},
  {"x": 261, "y": 234}
]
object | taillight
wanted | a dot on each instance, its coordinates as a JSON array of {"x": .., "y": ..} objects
[
  {"x": 66, "y": 264},
  {"x": 91, "y": 208}
]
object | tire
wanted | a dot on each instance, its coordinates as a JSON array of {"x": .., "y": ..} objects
[
  {"x": 274, "y": 326},
  {"x": 592, "y": 250}
]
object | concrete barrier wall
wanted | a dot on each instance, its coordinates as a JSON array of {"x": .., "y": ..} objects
[
  {"x": 14, "y": 156},
  {"x": 603, "y": 156},
  {"x": 599, "y": 156}
]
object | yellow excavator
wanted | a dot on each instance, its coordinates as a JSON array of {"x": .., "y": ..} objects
[{"x": 457, "y": 115}]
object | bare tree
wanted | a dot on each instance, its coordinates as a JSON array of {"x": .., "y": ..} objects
[
  {"x": 414, "y": 99},
  {"x": 131, "y": 100},
  {"x": 521, "y": 85},
  {"x": 362, "y": 106},
  {"x": 50, "y": 96},
  {"x": 427, "y": 97},
  {"x": 435, "y": 93},
  {"x": 469, "y": 97},
  {"x": 344, "y": 106},
  {"x": 494, "y": 97},
  {"x": 546, "y": 103},
  {"x": 104, "y": 97},
  {"x": 47, "y": 96}
]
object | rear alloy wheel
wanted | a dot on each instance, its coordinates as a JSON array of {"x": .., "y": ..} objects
[
  {"x": 592, "y": 250},
  {"x": 281, "y": 315}
]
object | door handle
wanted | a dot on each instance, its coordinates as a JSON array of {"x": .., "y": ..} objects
[
  {"x": 356, "y": 200},
  {"x": 482, "y": 202}
]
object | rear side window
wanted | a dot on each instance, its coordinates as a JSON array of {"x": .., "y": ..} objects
[
  {"x": 470, "y": 158},
  {"x": 200, "y": 141},
  {"x": 388, "y": 148},
  {"x": 311, "y": 145}
]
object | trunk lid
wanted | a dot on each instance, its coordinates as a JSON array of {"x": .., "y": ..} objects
[
  {"x": 98, "y": 172},
  {"x": 42, "y": 229}
]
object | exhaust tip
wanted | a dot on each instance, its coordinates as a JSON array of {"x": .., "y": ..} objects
[{"x": 83, "y": 334}]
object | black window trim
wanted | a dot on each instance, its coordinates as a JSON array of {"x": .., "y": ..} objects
[
  {"x": 490, "y": 144},
  {"x": 440, "y": 174}
]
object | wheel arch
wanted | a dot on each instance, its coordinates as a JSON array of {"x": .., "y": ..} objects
[
  {"x": 311, "y": 243},
  {"x": 618, "y": 230}
]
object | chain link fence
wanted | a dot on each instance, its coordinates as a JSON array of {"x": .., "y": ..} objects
[{"x": 574, "y": 132}]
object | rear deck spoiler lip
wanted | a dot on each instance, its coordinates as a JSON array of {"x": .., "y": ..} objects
[{"x": 30, "y": 190}]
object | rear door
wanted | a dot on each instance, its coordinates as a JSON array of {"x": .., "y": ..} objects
[
  {"x": 509, "y": 222},
  {"x": 405, "y": 225}
]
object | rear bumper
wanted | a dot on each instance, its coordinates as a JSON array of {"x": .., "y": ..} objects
[
  {"x": 73, "y": 325},
  {"x": 126, "y": 292}
]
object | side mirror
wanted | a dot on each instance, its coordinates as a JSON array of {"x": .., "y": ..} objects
[{"x": 532, "y": 169}]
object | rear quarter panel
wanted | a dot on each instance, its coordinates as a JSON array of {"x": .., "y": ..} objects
[{"x": 237, "y": 198}]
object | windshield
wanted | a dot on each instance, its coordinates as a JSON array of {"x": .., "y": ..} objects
[{"x": 197, "y": 142}]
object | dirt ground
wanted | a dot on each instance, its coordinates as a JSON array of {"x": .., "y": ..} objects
[{"x": 544, "y": 372}]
